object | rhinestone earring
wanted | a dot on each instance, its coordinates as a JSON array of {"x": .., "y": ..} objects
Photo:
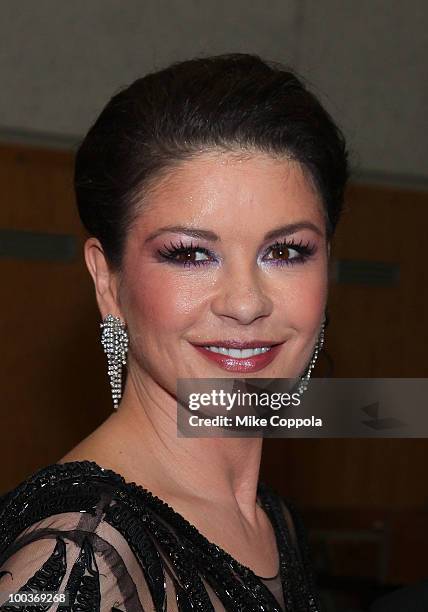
[
  {"x": 114, "y": 339},
  {"x": 304, "y": 381}
]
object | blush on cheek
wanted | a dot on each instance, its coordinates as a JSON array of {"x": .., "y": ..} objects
[
  {"x": 312, "y": 305},
  {"x": 306, "y": 318},
  {"x": 165, "y": 303},
  {"x": 307, "y": 302}
]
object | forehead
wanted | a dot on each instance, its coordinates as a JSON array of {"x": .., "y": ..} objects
[{"x": 224, "y": 186}]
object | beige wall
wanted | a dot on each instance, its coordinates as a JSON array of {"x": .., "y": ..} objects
[{"x": 60, "y": 61}]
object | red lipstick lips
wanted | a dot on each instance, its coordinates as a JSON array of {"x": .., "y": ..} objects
[{"x": 240, "y": 364}]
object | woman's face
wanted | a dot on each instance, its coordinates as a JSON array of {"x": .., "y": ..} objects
[{"x": 225, "y": 250}]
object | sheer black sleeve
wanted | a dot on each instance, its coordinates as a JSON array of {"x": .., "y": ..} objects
[
  {"x": 86, "y": 558},
  {"x": 82, "y": 531}
]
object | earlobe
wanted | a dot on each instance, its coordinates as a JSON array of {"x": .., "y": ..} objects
[{"x": 103, "y": 278}]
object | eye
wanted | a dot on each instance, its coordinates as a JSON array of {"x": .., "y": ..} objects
[
  {"x": 186, "y": 255},
  {"x": 290, "y": 253},
  {"x": 282, "y": 252}
]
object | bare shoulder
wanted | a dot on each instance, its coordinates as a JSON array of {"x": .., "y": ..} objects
[{"x": 101, "y": 447}]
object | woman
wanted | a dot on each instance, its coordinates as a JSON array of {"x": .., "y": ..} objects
[{"x": 210, "y": 191}]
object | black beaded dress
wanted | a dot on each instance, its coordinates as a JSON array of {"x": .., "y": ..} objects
[{"x": 113, "y": 546}]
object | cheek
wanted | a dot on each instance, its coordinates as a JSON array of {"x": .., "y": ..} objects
[
  {"x": 161, "y": 302},
  {"x": 305, "y": 301}
]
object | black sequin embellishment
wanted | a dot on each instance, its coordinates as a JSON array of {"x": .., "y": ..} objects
[
  {"x": 162, "y": 541},
  {"x": 47, "y": 579}
]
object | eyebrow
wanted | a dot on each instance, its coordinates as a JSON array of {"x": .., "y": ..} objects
[{"x": 283, "y": 230}]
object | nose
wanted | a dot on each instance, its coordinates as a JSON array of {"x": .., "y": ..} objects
[{"x": 241, "y": 295}]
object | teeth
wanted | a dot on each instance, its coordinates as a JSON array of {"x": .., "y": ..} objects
[{"x": 238, "y": 353}]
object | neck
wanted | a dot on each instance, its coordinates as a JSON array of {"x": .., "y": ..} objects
[{"x": 144, "y": 442}]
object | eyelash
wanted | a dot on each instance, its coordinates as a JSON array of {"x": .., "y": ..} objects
[{"x": 306, "y": 251}]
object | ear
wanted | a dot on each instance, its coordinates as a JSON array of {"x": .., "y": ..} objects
[{"x": 105, "y": 281}]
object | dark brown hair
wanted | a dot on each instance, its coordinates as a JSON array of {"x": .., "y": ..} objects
[{"x": 232, "y": 102}]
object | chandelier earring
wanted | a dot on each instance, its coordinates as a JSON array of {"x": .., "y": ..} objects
[
  {"x": 115, "y": 341},
  {"x": 304, "y": 381}
]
